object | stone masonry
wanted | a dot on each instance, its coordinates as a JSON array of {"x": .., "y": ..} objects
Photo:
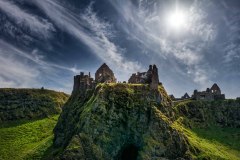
[
  {"x": 150, "y": 77},
  {"x": 214, "y": 93}
]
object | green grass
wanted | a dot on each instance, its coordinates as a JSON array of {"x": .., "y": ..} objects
[
  {"x": 26, "y": 139},
  {"x": 227, "y": 136},
  {"x": 213, "y": 143}
]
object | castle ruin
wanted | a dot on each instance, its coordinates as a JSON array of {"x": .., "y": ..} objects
[
  {"x": 84, "y": 82},
  {"x": 210, "y": 94},
  {"x": 105, "y": 75},
  {"x": 149, "y": 77}
]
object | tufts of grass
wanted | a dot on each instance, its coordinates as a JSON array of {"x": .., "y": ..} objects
[{"x": 26, "y": 139}]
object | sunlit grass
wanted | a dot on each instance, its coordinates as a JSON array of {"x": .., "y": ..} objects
[
  {"x": 212, "y": 142},
  {"x": 26, "y": 139}
]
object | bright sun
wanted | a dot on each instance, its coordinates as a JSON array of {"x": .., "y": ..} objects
[{"x": 177, "y": 20}]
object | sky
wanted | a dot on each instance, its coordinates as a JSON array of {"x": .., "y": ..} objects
[{"x": 194, "y": 43}]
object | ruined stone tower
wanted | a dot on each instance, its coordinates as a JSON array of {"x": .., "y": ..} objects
[
  {"x": 83, "y": 82},
  {"x": 150, "y": 77},
  {"x": 154, "y": 78},
  {"x": 105, "y": 75}
]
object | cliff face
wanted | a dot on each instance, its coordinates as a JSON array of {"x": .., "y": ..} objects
[
  {"x": 224, "y": 113},
  {"x": 119, "y": 120},
  {"x": 18, "y": 104}
]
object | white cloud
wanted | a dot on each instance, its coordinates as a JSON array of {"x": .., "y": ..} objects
[
  {"x": 35, "y": 56},
  {"x": 14, "y": 73},
  {"x": 232, "y": 47},
  {"x": 21, "y": 68},
  {"x": 97, "y": 36},
  {"x": 37, "y": 26},
  {"x": 146, "y": 25},
  {"x": 232, "y": 53}
]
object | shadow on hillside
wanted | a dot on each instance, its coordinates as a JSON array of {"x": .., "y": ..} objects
[
  {"x": 16, "y": 123},
  {"x": 50, "y": 153},
  {"x": 227, "y": 136}
]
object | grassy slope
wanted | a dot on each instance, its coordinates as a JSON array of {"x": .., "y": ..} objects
[
  {"x": 31, "y": 140},
  {"x": 26, "y": 139},
  {"x": 212, "y": 148},
  {"x": 213, "y": 142},
  {"x": 18, "y": 104}
]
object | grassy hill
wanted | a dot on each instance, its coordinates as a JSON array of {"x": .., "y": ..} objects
[
  {"x": 114, "y": 117},
  {"x": 26, "y": 139},
  {"x": 127, "y": 118},
  {"x": 212, "y": 128},
  {"x": 18, "y": 104}
]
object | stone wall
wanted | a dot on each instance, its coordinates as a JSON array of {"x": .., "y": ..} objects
[
  {"x": 149, "y": 77},
  {"x": 83, "y": 82},
  {"x": 105, "y": 75},
  {"x": 210, "y": 94}
]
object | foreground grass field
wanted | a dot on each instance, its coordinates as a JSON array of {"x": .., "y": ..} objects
[{"x": 26, "y": 139}]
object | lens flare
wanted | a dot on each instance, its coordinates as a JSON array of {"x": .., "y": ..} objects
[{"x": 177, "y": 20}]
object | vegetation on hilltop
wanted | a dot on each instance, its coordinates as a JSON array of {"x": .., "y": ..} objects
[
  {"x": 116, "y": 120},
  {"x": 225, "y": 113},
  {"x": 212, "y": 128},
  {"x": 117, "y": 117},
  {"x": 29, "y": 103}
]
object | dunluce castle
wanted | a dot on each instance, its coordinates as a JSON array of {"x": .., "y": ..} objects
[
  {"x": 104, "y": 74},
  {"x": 213, "y": 93}
]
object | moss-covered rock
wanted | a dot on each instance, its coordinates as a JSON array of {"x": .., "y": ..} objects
[
  {"x": 18, "y": 104},
  {"x": 119, "y": 119}
]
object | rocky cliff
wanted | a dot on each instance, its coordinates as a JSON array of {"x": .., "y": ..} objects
[
  {"x": 132, "y": 121},
  {"x": 116, "y": 121},
  {"x": 18, "y": 104}
]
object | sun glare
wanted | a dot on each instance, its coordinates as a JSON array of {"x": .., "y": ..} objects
[{"x": 177, "y": 20}]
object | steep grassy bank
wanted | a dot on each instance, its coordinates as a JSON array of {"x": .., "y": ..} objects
[
  {"x": 26, "y": 139},
  {"x": 18, "y": 104},
  {"x": 212, "y": 128}
]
